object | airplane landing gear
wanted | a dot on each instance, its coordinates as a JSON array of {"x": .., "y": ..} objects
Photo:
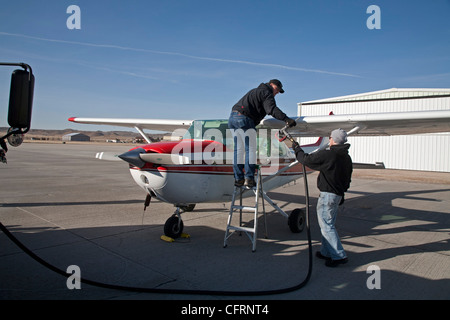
[
  {"x": 297, "y": 220},
  {"x": 173, "y": 228}
]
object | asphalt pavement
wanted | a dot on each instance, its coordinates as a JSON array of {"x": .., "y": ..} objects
[{"x": 86, "y": 217}]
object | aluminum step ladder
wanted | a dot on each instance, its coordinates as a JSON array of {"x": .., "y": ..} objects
[{"x": 251, "y": 232}]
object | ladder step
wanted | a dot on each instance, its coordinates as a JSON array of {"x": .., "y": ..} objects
[
  {"x": 245, "y": 229},
  {"x": 244, "y": 208},
  {"x": 238, "y": 194}
]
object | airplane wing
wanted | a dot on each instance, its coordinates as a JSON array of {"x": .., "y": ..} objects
[
  {"x": 388, "y": 123},
  {"x": 376, "y": 124},
  {"x": 149, "y": 124}
]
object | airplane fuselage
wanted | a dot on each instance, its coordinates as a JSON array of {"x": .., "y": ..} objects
[
  {"x": 199, "y": 167},
  {"x": 188, "y": 183}
]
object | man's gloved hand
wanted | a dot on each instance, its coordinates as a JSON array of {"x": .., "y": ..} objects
[
  {"x": 296, "y": 147},
  {"x": 291, "y": 122}
]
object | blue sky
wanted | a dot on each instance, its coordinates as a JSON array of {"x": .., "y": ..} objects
[{"x": 195, "y": 59}]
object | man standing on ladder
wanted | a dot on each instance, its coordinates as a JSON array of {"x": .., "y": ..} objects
[{"x": 245, "y": 116}]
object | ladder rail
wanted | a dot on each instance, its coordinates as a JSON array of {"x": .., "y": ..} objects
[{"x": 259, "y": 194}]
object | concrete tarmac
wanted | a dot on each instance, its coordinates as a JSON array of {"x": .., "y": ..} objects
[{"x": 71, "y": 209}]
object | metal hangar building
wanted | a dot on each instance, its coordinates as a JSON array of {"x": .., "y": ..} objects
[
  {"x": 75, "y": 137},
  {"x": 425, "y": 152}
]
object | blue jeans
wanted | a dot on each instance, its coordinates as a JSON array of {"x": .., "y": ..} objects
[
  {"x": 327, "y": 209},
  {"x": 244, "y": 135}
]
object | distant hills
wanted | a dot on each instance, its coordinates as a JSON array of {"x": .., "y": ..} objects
[{"x": 56, "y": 135}]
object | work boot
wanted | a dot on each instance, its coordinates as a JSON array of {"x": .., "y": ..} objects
[
  {"x": 249, "y": 183},
  {"x": 321, "y": 256},
  {"x": 334, "y": 263},
  {"x": 239, "y": 183}
]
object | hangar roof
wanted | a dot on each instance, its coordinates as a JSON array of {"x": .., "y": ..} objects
[{"x": 387, "y": 94}]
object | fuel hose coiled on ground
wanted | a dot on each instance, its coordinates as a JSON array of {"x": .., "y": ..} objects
[{"x": 181, "y": 291}]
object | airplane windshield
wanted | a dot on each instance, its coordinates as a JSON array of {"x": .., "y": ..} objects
[
  {"x": 208, "y": 129},
  {"x": 217, "y": 130}
]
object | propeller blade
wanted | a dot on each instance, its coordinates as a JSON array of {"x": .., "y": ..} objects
[
  {"x": 110, "y": 156},
  {"x": 138, "y": 157},
  {"x": 164, "y": 158}
]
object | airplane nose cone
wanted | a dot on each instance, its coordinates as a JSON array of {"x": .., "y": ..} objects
[{"x": 133, "y": 157}]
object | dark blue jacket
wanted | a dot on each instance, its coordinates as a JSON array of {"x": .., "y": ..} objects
[
  {"x": 259, "y": 102},
  {"x": 335, "y": 166}
]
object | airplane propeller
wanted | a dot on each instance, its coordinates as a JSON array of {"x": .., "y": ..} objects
[
  {"x": 138, "y": 157},
  {"x": 109, "y": 156},
  {"x": 165, "y": 158}
]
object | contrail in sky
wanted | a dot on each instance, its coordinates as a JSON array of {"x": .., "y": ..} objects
[{"x": 112, "y": 46}]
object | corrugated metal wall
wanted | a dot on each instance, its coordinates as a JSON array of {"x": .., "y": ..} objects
[{"x": 412, "y": 152}]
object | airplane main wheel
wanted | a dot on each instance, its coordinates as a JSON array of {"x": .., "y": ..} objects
[
  {"x": 297, "y": 220},
  {"x": 171, "y": 227}
]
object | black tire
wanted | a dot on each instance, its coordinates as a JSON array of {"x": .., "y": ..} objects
[
  {"x": 171, "y": 228},
  {"x": 297, "y": 220}
]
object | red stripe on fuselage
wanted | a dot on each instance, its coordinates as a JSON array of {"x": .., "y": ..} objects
[
  {"x": 214, "y": 169},
  {"x": 193, "y": 146}
]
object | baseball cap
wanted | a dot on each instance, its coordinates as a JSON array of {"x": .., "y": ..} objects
[
  {"x": 339, "y": 136},
  {"x": 278, "y": 84}
]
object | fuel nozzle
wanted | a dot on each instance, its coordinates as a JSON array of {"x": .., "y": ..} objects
[{"x": 283, "y": 134}]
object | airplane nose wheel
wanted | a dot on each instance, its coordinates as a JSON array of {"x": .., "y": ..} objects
[{"x": 173, "y": 227}]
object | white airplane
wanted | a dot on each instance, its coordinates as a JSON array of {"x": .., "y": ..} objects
[{"x": 198, "y": 168}]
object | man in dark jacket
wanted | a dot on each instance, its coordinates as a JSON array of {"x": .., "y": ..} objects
[
  {"x": 246, "y": 114},
  {"x": 335, "y": 166}
]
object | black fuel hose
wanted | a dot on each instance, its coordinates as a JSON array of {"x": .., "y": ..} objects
[{"x": 179, "y": 291}]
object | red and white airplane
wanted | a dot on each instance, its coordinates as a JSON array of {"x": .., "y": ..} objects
[{"x": 198, "y": 168}]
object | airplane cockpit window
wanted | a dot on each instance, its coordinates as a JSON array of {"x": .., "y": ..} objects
[
  {"x": 215, "y": 130},
  {"x": 269, "y": 146}
]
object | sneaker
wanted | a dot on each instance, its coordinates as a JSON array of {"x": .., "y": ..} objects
[
  {"x": 321, "y": 256},
  {"x": 239, "y": 183},
  {"x": 249, "y": 183},
  {"x": 334, "y": 263}
]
